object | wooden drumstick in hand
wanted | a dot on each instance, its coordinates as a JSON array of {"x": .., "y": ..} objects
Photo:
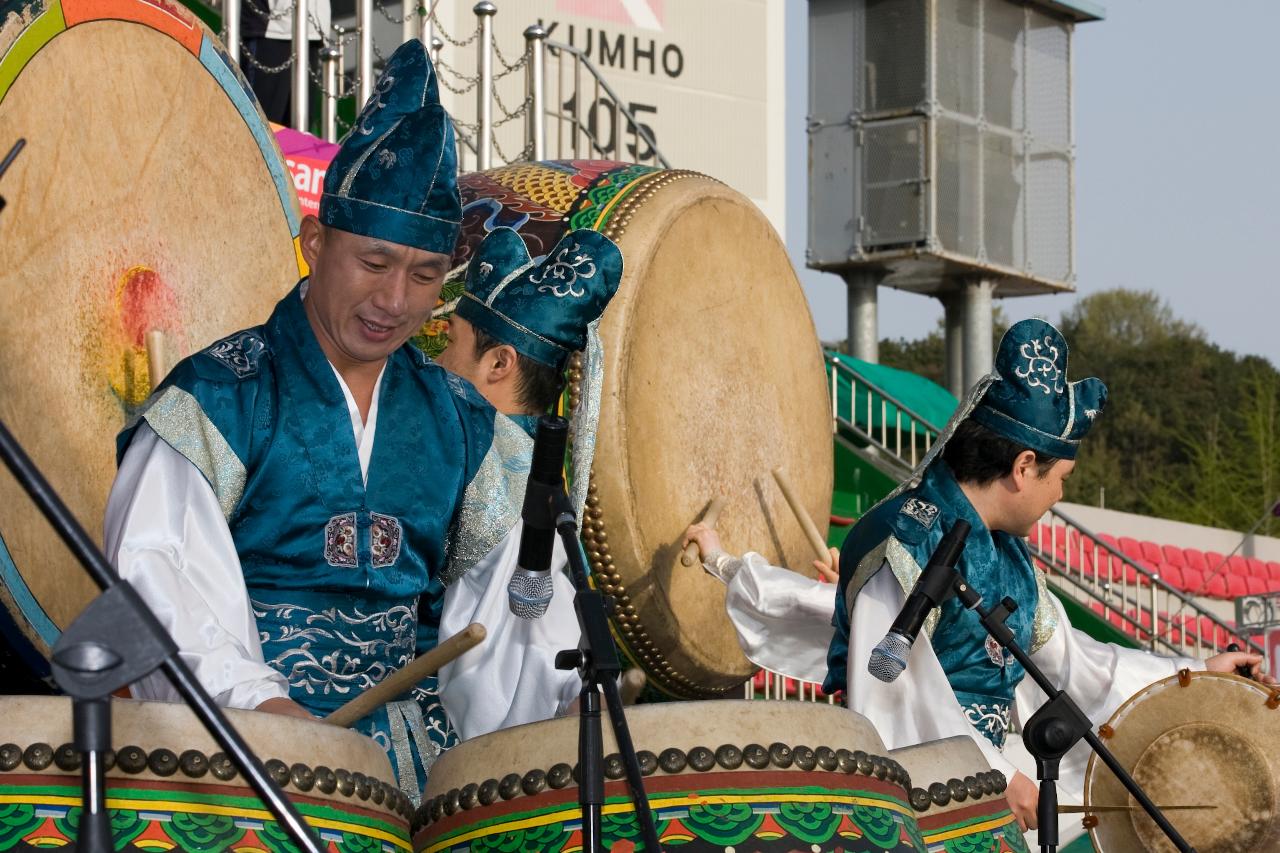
[
  {"x": 802, "y": 515},
  {"x": 400, "y": 682},
  {"x": 157, "y": 363},
  {"x": 712, "y": 515}
]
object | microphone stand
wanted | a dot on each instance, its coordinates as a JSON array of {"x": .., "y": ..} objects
[
  {"x": 597, "y": 661},
  {"x": 114, "y": 642},
  {"x": 1055, "y": 728}
]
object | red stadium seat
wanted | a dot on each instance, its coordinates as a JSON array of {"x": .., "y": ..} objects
[
  {"x": 1257, "y": 586},
  {"x": 1273, "y": 584},
  {"x": 1130, "y": 548},
  {"x": 1192, "y": 581},
  {"x": 1238, "y": 565},
  {"x": 1151, "y": 552},
  {"x": 1172, "y": 575},
  {"x": 1236, "y": 586},
  {"x": 1257, "y": 568},
  {"x": 1195, "y": 559},
  {"x": 1217, "y": 586},
  {"x": 1215, "y": 562},
  {"x": 1173, "y": 556},
  {"x": 1273, "y": 570}
]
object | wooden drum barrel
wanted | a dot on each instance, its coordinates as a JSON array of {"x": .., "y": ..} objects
[
  {"x": 713, "y": 378},
  {"x": 170, "y": 787}
]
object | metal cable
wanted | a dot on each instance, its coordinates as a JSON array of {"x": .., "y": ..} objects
[{"x": 444, "y": 34}]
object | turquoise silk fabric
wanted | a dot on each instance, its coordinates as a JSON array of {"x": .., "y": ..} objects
[
  {"x": 344, "y": 579},
  {"x": 996, "y": 564}
]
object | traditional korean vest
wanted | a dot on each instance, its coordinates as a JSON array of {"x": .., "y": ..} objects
[
  {"x": 899, "y": 536},
  {"x": 344, "y": 578}
]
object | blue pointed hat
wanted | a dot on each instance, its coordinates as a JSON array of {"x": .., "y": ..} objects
[
  {"x": 1030, "y": 401},
  {"x": 396, "y": 176},
  {"x": 543, "y": 308}
]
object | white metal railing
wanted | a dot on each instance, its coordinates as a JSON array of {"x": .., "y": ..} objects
[{"x": 876, "y": 417}]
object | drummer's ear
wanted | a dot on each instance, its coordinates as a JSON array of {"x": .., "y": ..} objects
[
  {"x": 501, "y": 362},
  {"x": 310, "y": 238}
]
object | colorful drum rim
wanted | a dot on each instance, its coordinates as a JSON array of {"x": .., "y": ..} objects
[{"x": 175, "y": 21}]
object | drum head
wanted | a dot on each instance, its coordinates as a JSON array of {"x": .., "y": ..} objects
[
  {"x": 713, "y": 378},
  {"x": 151, "y": 196},
  {"x": 1206, "y": 739}
]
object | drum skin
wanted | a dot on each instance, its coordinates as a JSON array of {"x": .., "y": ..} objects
[
  {"x": 748, "y": 776},
  {"x": 171, "y": 787},
  {"x": 713, "y": 377},
  {"x": 151, "y": 195},
  {"x": 1198, "y": 738}
]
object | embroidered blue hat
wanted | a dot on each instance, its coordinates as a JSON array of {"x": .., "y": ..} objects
[
  {"x": 1029, "y": 399},
  {"x": 544, "y": 308},
  {"x": 396, "y": 176}
]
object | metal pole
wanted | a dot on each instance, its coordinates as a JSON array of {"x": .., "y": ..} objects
[
  {"x": 437, "y": 44},
  {"x": 976, "y": 324},
  {"x": 954, "y": 343},
  {"x": 864, "y": 330},
  {"x": 484, "y": 89},
  {"x": 364, "y": 52},
  {"x": 329, "y": 58},
  {"x": 535, "y": 38},
  {"x": 300, "y": 96},
  {"x": 427, "y": 32},
  {"x": 411, "y": 28},
  {"x": 231, "y": 28}
]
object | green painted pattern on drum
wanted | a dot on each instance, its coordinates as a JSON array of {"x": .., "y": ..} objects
[
  {"x": 203, "y": 825},
  {"x": 724, "y": 823},
  {"x": 811, "y": 822},
  {"x": 608, "y": 189},
  {"x": 883, "y": 828},
  {"x": 125, "y": 825},
  {"x": 17, "y": 820},
  {"x": 48, "y": 24}
]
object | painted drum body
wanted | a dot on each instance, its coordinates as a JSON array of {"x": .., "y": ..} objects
[
  {"x": 171, "y": 787},
  {"x": 1197, "y": 738},
  {"x": 713, "y": 377},
  {"x": 151, "y": 196},
  {"x": 959, "y": 804},
  {"x": 750, "y": 776}
]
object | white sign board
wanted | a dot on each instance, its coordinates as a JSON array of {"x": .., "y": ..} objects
[{"x": 706, "y": 77}]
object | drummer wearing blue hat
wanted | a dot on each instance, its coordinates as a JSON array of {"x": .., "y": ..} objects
[
  {"x": 285, "y": 498},
  {"x": 999, "y": 465}
]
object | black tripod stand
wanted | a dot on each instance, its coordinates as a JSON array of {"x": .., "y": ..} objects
[
  {"x": 546, "y": 506},
  {"x": 114, "y": 642}
]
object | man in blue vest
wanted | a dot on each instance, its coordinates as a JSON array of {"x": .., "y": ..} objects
[{"x": 296, "y": 560}]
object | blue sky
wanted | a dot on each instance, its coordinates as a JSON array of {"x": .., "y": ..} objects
[{"x": 1177, "y": 129}]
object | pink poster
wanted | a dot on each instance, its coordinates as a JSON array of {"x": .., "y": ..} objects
[{"x": 308, "y": 158}]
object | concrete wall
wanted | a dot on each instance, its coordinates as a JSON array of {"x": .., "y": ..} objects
[{"x": 1165, "y": 532}]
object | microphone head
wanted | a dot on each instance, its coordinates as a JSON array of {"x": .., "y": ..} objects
[
  {"x": 529, "y": 593},
  {"x": 889, "y": 658}
]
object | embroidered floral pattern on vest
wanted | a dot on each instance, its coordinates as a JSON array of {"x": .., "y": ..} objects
[
  {"x": 340, "y": 541},
  {"x": 240, "y": 353},
  {"x": 991, "y": 720},
  {"x": 384, "y": 540}
]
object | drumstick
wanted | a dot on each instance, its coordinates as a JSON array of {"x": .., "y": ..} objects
[
  {"x": 1093, "y": 809},
  {"x": 816, "y": 541},
  {"x": 156, "y": 367},
  {"x": 690, "y": 555},
  {"x": 399, "y": 682}
]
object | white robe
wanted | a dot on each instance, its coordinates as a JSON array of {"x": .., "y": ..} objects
[
  {"x": 784, "y": 624},
  {"x": 166, "y": 534}
]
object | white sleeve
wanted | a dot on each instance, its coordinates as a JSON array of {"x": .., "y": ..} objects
[
  {"x": 166, "y": 535},
  {"x": 783, "y": 619},
  {"x": 920, "y": 705},
  {"x": 1099, "y": 676},
  {"x": 511, "y": 677}
]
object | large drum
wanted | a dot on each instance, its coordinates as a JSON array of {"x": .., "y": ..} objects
[
  {"x": 151, "y": 197},
  {"x": 959, "y": 804},
  {"x": 171, "y": 788},
  {"x": 713, "y": 377},
  {"x": 744, "y": 776},
  {"x": 1200, "y": 739}
]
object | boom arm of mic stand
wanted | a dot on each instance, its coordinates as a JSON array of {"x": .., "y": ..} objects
[
  {"x": 95, "y": 563},
  {"x": 994, "y": 621},
  {"x": 601, "y": 665}
]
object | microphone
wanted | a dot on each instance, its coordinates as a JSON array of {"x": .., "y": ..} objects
[
  {"x": 933, "y": 587},
  {"x": 529, "y": 590}
]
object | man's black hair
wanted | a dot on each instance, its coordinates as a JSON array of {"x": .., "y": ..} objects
[
  {"x": 977, "y": 455},
  {"x": 537, "y": 385}
]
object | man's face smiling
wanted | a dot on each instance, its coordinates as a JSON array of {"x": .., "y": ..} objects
[{"x": 367, "y": 296}]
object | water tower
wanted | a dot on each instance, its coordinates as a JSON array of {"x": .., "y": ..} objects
[{"x": 941, "y": 157}]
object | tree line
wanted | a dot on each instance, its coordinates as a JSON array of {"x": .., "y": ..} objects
[{"x": 1191, "y": 431}]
